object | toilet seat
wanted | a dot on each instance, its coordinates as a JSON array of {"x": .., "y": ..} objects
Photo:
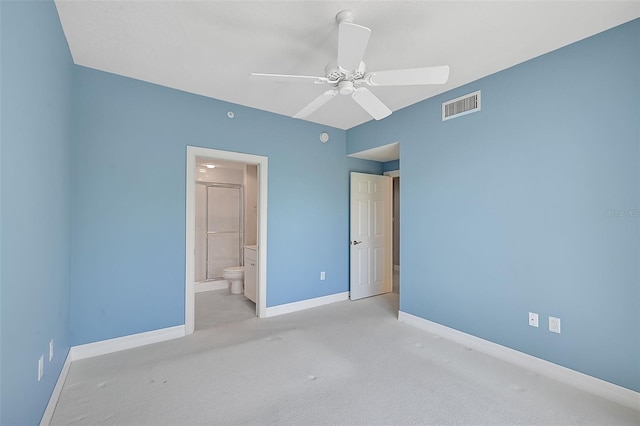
[{"x": 234, "y": 271}]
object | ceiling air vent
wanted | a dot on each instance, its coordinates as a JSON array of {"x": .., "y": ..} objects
[{"x": 461, "y": 106}]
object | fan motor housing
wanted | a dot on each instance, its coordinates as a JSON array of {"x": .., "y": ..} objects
[{"x": 336, "y": 74}]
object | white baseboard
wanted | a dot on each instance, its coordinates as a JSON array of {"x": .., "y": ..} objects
[
  {"x": 55, "y": 395},
  {"x": 287, "y": 308},
  {"x": 126, "y": 342},
  {"x": 604, "y": 389},
  {"x": 210, "y": 285},
  {"x": 101, "y": 348}
]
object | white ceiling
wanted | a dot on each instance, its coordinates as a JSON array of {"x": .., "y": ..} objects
[
  {"x": 211, "y": 47},
  {"x": 381, "y": 153}
]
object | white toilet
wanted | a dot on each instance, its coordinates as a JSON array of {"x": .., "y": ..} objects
[{"x": 234, "y": 275}]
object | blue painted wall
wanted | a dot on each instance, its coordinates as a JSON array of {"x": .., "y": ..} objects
[
  {"x": 35, "y": 196},
  {"x": 391, "y": 165},
  {"x": 129, "y": 165},
  {"x": 530, "y": 205}
]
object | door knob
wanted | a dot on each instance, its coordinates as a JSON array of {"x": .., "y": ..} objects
[{"x": 355, "y": 243}]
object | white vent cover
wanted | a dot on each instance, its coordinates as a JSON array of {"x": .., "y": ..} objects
[{"x": 461, "y": 106}]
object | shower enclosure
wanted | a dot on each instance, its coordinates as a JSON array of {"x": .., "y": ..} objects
[{"x": 219, "y": 229}]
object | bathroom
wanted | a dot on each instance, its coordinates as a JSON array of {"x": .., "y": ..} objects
[{"x": 226, "y": 222}]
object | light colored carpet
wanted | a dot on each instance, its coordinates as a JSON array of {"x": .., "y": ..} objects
[
  {"x": 349, "y": 363},
  {"x": 218, "y": 307}
]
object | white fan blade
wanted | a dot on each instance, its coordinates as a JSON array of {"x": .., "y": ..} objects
[
  {"x": 316, "y": 104},
  {"x": 288, "y": 78},
  {"x": 370, "y": 103},
  {"x": 409, "y": 77},
  {"x": 352, "y": 42}
]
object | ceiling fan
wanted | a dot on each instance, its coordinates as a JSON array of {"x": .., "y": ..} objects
[{"x": 348, "y": 74}]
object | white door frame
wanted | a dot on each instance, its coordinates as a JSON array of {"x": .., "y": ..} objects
[{"x": 262, "y": 163}]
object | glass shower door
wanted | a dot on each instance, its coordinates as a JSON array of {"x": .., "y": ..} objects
[{"x": 224, "y": 228}]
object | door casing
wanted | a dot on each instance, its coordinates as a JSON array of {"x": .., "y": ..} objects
[{"x": 262, "y": 163}]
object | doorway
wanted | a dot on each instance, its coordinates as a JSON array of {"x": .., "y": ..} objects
[
  {"x": 190, "y": 241},
  {"x": 389, "y": 156},
  {"x": 395, "y": 215}
]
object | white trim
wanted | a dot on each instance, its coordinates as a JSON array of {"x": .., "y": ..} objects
[
  {"x": 604, "y": 389},
  {"x": 262, "y": 163},
  {"x": 392, "y": 173},
  {"x": 263, "y": 174},
  {"x": 101, "y": 348},
  {"x": 126, "y": 342},
  {"x": 288, "y": 308},
  {"x": 57, "y": 390},
  {"x": 203, "y": 286}
]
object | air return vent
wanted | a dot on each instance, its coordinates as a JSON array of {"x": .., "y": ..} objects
[{"x": 461, "y": 106}]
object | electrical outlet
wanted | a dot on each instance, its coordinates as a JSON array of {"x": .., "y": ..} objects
[
  {"x": 322, "y": 276},
  {"x": 40, "y": 367},
  {"x": 50, "y": 350},
  {"x": 533, "y": 319},
  {"x": 554, "y": 325}
]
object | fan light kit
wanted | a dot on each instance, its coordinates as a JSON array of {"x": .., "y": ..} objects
[{"x": 348, "y": 74}]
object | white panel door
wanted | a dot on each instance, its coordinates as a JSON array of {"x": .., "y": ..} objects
[{"x": 371, "y": 230}]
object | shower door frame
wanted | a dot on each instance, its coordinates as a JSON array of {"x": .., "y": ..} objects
[{"x": 240, "y": 224}]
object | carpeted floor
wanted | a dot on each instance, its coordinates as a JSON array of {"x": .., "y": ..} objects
[
  {"x": 218, "y": 307},
  {"x": 349, "y": 363}
]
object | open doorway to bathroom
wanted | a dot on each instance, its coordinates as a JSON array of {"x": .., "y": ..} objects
[
  {"x": 226, "y": 233},
  {"x": 226, "y": 229}
]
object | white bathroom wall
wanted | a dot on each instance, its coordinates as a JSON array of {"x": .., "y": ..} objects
[{"x": 251, "y": 205}]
